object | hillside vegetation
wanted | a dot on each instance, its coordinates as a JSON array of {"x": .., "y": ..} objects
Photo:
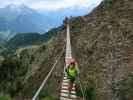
[{"x": 27, "y": 39}]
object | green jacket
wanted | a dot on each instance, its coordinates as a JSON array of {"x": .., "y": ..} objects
[{"x": 72, "y": 72}]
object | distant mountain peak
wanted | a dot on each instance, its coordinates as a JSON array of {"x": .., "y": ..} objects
[
  {"x": 11, "y": 6},
  {"x": 17, "y": 7}
]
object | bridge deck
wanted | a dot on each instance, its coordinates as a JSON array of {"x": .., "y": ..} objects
[{"x": 64, "y": 93}]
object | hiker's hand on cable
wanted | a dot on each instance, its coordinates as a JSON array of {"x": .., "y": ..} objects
[{"x": 78, "y": 75}]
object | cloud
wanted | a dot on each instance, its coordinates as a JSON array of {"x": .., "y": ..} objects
[{"x": 52, "y": 4}]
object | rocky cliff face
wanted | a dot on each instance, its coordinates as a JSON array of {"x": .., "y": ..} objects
[{"x": 102, "y": 42}]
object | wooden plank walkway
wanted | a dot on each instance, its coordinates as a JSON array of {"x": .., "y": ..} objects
[{"x": 64, "y": 93}]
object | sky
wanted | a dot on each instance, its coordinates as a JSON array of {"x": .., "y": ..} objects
[{"x": 52, "y": 4}]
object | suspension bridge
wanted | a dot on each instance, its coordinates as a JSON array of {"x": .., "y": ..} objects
[{"x": 64, "y": 92}]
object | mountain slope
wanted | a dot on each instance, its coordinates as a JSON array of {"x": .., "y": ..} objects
[
  {"x": 2, "y": 40},
  {"x": 104, "y": 40},
  {"x": 21, "y": 40},
  {"x": 27, "y": 39}
]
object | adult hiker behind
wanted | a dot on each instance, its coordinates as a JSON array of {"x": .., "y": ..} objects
[{"x": 72, "y": 71}]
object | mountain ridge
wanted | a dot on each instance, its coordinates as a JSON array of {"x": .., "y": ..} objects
[{"x": 27, "y": 39}]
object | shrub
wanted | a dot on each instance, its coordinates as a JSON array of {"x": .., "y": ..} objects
[
  {"x": 12, "y": 73},
  {"x": 89, "y": 88},
  {"x": 108, "y": 3},
  {"x": 125, "y": 90},
  {"x": 5, "y": 97}
]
